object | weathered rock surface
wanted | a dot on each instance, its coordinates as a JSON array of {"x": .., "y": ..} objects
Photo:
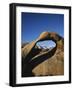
[{"x": 38, "y": 62}]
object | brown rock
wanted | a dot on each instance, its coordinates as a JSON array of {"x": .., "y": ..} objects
[{"x": 53, "y": 64}]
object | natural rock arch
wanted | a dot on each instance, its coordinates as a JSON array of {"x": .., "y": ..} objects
[{"x": 31, "y": 58}]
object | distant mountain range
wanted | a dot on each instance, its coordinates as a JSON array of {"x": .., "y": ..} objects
[{"x": 38, "y": 47}]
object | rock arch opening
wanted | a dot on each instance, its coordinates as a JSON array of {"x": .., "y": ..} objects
[{"x": 46, "y": 44}]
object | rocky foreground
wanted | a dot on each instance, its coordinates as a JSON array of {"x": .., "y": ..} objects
[{"x": 43, "y": 62}]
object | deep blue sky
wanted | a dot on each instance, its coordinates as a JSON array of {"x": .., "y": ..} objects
[{"x": 33, "y": 24}]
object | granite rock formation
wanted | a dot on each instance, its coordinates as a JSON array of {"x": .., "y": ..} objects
[{"x": 39, "y": 62}]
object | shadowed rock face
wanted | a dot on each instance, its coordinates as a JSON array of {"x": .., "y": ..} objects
[{"x": 36, "y": 62}]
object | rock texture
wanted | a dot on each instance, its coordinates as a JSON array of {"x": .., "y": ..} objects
[{"x": 39, "y": 62}]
